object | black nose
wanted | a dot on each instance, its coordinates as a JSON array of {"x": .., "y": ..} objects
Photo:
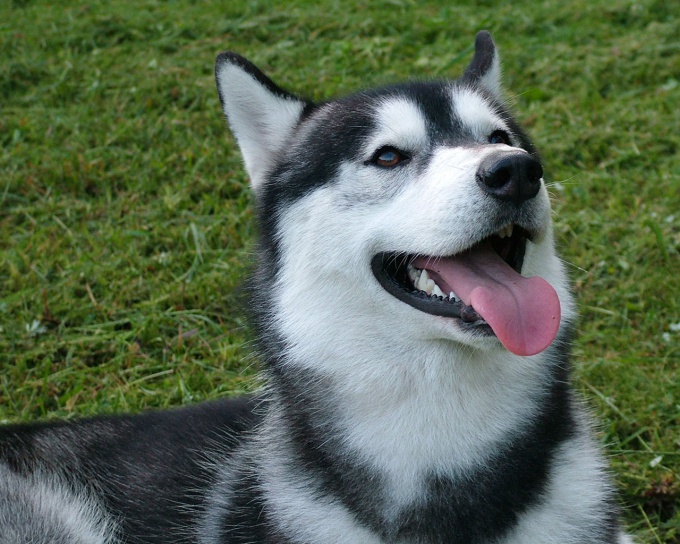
[{"x": 512, "y": 177}]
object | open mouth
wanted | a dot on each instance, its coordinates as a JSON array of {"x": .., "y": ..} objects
[
  {"x": 482, "y": 287},
  {"x": 427, "y": 292}
]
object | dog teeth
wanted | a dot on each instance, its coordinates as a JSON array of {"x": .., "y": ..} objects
[
  {"x": 413, "y": 274},
  {"x": 421, "y": 280},
  {"x": 506, "y": 231},
  {"x": 425, "y": 283}
]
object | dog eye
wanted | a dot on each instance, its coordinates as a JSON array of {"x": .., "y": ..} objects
[
  {"x": 499, "y": 137},
  {"x": 388, "y": 157}
]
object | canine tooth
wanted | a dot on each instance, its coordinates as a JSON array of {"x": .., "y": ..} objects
[
  {"x": 429, "y": 287},
  {"x": 422, "y": 281},
  {"x": 506, "y": 231}
]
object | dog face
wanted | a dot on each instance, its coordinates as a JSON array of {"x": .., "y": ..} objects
[{"x": 414, "y": 212}]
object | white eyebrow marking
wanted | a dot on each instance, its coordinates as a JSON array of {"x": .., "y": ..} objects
[
  {"x": 476, "y": 114},
  {"x": 399, "y": 123}
]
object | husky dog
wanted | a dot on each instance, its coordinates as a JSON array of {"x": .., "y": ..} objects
[{"x": 414, "y": 324}]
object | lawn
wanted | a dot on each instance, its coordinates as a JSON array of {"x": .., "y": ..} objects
[{"x": 126, "y": 222}]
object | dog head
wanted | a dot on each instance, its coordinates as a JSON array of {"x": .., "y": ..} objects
[{"x": 415, "y": 211}]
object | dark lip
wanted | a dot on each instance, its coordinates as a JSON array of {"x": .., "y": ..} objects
[{"x": 390, "y": 269}]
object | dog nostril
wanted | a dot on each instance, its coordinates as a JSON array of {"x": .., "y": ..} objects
[
  {"x": 512, "y": 177},
  {"x": 499, "y": 175}
]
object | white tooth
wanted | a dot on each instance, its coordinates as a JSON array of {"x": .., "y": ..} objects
[
  {"x": 437, "y": 291},
  {"x": 422, "y": 280},
  {"x": 506, "y": 231},
  {"x": 413, "y": 273},
  {"x": 429, "y": 287},
  {"x": 452, "y": 296},
  {"x": 416, "y": 279}
]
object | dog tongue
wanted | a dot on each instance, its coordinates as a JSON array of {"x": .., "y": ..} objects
[{"x": 524, "y": 313}]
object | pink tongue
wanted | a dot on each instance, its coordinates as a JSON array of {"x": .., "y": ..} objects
[{"x": 524, "y": 313}]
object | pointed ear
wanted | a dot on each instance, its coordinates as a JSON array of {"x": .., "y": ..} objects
[
  {"x": 260, "y": 114},
  {"x": 485, "y": 68}
]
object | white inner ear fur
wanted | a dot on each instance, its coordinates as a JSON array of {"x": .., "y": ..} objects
[
  {"x": 491, "y": 80},
  {"x": 261, "y": 120}
]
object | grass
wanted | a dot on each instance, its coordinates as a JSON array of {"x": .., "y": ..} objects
[{"x": 125, "y": 217}]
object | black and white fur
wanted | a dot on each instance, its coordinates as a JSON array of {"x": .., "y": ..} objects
[{"x": 380, "y": 422}]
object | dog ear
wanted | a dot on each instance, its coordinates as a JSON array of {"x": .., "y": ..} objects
[
  {"x": 485, "y": 68},
  {"x": 260, "y": 114}
]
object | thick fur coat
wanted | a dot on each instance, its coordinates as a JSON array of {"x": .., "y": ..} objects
[{"x": 414, "y": 322}]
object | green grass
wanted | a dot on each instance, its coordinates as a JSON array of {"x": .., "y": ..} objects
[{"x": 125, "y": 218}]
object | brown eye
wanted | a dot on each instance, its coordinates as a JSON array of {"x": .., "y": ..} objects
[
  {"x": 388, "y": 157},
  {"x": 499, "y": 137}
]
